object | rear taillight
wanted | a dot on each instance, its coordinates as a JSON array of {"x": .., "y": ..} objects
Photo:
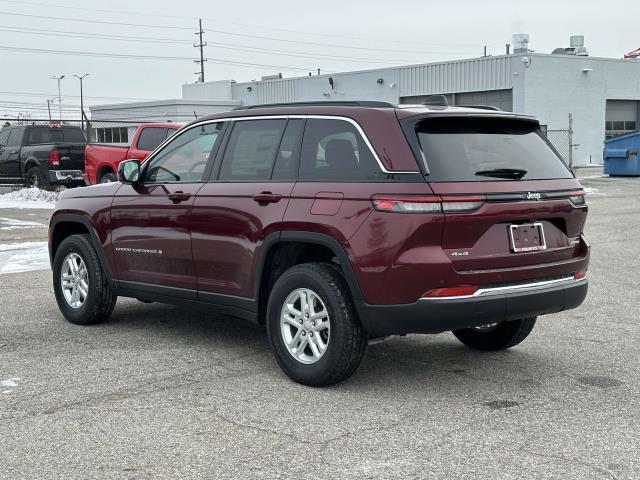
[
  {"x": 54, "y": 157},
  {"x": 426, "y": 204},
  {"x": 459, "y": 291},
  {"x": 580, "y": 275},
  {"x": 577, "y": 198}
]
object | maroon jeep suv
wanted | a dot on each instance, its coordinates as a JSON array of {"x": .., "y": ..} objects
[{"x": 334, "y": 224}]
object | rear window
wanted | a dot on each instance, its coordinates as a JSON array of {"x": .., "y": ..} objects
[
  {"x": 151, "y": 137},
  {"x": 40, "y": 135},
  {"x": 486, "y": 149}
]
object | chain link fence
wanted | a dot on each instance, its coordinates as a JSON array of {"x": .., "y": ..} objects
[
  {"x": 561, "y": 140},
  {"x": 12, "y": 174}
]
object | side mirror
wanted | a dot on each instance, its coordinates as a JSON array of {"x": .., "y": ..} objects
[{"x": 129, "y": 171}]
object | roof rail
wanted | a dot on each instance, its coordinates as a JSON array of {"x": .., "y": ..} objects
[
  {"x": 481, "y": 107},
  {"x": 369, "y": 104}
]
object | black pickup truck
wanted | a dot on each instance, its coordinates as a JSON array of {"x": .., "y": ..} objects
[{"x": 42, "y": 155}]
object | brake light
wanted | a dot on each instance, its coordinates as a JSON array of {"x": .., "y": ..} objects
[
  {"x": 459, "y": 291},
  {"x": 580, "y": 275},
  {"x": 54, "y": 157},
  {"x": 55, "y": 125},
  {"x": 427, "y": 204},
  {"x": 577, "y": 198}
]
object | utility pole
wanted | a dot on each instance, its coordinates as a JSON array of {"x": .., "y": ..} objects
[
  {"x": 80, "y": 77},
  {"x": 49, "y": 102},
  {"x": 58, "y": 78},
  {"x": 201, "y": 46}
]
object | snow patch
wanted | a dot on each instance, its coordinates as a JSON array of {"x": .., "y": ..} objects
[
  {"x": 24, "y": 257},
  {"x": 29, "y": 198},
  {"x": 13, "y": 224},
  {"x": 10, "y": 382},
  {"x": 592, "y": 191}
]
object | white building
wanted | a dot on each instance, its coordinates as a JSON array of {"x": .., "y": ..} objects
[{"x": 602, "y": 95}]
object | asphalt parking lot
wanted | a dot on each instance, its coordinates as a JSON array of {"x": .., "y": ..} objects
[{"x": 159, "y": 392}]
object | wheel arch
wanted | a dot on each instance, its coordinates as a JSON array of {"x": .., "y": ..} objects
[
  {"x": 65, "y": 225},
  {"x": 103, "y": 169},
  {"x": 282, "y": 250}
]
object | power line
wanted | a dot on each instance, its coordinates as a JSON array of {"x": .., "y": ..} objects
[
  {"x": 329, "y": 35},
  {"x": 226, "y": 46},
  {"x": 245, "y": 35},
  {"x": 143, "y": 57},
  {"x": 49, "y": 95}
]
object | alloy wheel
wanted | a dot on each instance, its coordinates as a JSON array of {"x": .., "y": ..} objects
[
  {"x": 74, "y": 280},
  {"x": 305, "y": 326}
]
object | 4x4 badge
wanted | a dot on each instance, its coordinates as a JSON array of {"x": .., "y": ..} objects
[{"x": 533, "y": 196}]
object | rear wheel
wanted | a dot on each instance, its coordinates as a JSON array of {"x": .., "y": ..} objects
[
  {"x": 34, "y": 178},
  {"x": 496, "y": 336},
  {"x": 313, "y": 327},
  {"x": 108, "y": 178},
  {"x": 80, "y": 284}
]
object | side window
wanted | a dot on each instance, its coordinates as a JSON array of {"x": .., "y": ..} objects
[
  {"x": 4, "y": 136},
  {"x": 334, "y": 150},
  {"x": 286, "y": 167},
  {"x": 185, "y": 157},
  {"x": 251, "y": 150},
  {"x": 15, "y": 137},
  {"x": 151, "y": 137}
]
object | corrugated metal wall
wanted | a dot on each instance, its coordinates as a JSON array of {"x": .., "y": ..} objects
[
  {"x": 488, "y": 73},
  {"x": 276, "y": 91}
]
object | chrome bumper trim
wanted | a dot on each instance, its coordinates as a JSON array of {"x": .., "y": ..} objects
[{"x": 525, "y": 287}]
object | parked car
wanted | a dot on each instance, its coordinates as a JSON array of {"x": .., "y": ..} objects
[
  {"x": 334, "y": 224},
  {"x": 42, "y": 155},
  {"x": 102, "y": 160}
]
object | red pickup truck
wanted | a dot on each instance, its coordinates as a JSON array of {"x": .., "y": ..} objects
[{"x": 101, "y": 161}]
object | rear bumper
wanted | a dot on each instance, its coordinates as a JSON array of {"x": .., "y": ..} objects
[
  {"x": 486, "y": 306},
  {"x": 66, "y": 176}
]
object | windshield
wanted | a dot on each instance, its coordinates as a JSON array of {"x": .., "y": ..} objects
[
  {"x": 471, "y": 149},
  {"x": 39, "y": 135}
]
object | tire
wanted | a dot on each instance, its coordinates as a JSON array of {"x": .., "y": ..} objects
[
  {"x": 345, "y": 340},
  {"x": 34, "y": 178},
  {"x": 108, "y": 178},
  {"x": 99, "y": 300},
  {"x": 504, "y": 335}
]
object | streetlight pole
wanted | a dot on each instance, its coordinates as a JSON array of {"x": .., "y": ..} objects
[
  {"x": 80, "y": 77},
  {"x": 58, "y": 78},
  {"x": 49, "y": 102}
]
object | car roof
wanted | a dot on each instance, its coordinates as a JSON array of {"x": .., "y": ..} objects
[{"x": 357, "y": 109}]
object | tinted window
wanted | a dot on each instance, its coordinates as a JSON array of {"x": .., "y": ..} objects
[
  {"x": 251, "y": 150},
  {"x": 15, "y": 137},
  {"x": 151, "y": 137},
  {"x": 334, "y": 150},
  {"x": 456, "y": 149},
  {"x": 286, "y": 167},
  {"x": 41, "y": 135},
  {"x": 4, "y": 135},
  {"x": 185, "y": 157}
]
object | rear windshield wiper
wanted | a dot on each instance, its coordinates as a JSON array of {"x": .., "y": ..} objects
[{"x": 516, "y": 173}]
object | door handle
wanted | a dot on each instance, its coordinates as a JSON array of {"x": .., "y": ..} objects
[
  {"x": 177, "y": 197},
  {"x": 267, "y": 197}
]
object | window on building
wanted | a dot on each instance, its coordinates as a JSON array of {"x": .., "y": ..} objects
[
  {"x": 619, "y": 127},
  {"x": 111, "y": 135}
]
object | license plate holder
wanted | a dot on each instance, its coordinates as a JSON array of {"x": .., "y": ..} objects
[{"x": 528, "y": 237}]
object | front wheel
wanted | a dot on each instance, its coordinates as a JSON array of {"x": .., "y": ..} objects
[
  {"x": 496, "y": 336},
  {"x": 80, "y": 284},
  {"x": 313, "y": 326}
]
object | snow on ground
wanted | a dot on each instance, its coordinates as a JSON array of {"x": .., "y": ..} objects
[
  {"x": 592, "y": 191},
  {"x": 29, "y": 198},
  {"x": 13, "y": 224},
  {"x": 23, "y": 257}
]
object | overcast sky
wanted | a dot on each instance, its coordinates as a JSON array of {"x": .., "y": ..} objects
[{"x": 292, "y": 37}]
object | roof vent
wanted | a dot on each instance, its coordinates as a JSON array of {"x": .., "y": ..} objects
[{"x": 520, "y": 43}]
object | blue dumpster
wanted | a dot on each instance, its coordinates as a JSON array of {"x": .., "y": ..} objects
[{"x": 621, "y": 155}]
